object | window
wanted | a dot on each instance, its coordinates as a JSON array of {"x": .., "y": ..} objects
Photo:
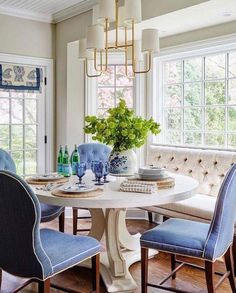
[
  {"x": 198, "y": 103},
  {"x": 113, "y": 86},
  {"x": 19, "y": 128}
]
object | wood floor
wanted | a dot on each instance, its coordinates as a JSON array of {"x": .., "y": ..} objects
[{"x": 79, "y": 279}]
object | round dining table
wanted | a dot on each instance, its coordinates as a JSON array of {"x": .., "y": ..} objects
[{"x": 108, "y": 212}]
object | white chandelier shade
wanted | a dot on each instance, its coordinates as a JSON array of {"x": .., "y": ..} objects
[
  {"x": 133, "y": 11},
  {"x": 150, "y": 41},
  {"x": 83, "y": 52},
  {"x": 107, "y": 9},
  {"x": 95, "y": 37}
]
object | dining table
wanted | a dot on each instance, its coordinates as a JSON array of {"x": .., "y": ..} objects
[{"x": 108, "y": 212}]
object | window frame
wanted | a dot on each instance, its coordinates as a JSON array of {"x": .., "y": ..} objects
[
  {"x": 192, "y": 50},
  {"x": 45, "y": 164}
]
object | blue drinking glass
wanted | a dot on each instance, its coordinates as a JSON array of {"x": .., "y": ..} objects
[
  {"x": 93, "y": 163},
  {"x": 81, "y": 169},
  {"x": 106, "y": 172},
  {"x": 99, "y": 172}
]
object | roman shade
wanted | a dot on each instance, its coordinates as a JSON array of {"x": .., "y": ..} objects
[{"x": 20, "y": 77}]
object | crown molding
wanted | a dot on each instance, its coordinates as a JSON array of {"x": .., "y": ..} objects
[
  {"x": 25, "y": 14},
  {"x": 74, "y": 10}
]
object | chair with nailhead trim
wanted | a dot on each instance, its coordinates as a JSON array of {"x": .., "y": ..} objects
[
  {"x": 204, "y": 241},
  {"x": 89, "y": 152}
]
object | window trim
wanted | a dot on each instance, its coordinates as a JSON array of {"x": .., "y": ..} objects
[
  {"x": 189, "y": 50},
  {"x": 48, "y": 163}
]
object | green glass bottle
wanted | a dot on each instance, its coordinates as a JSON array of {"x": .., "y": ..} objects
[
  {"x": 60, "y": 161},
  {"x": 75, "y": 159},
  {"x": 66, "y": 163}
]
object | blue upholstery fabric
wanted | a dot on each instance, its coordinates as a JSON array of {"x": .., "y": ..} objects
[
  {"x": 25, "y": 251},
  {"x": 222, "y": 226},
  {"x": 199, "y": 239},
  {"x": 75, "y": 248},
  {"x": 177, "y": 236},
  {"x": 49, "y": 212},
  {"x": 6, "y": 162},
  {"x": 93, "y": 152},
  {"x": 21, "y": 252}
]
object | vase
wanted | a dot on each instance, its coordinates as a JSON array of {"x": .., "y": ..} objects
[{"x": 123, "y": 163}]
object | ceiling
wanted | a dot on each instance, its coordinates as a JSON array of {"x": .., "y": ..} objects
[{"x": 44, "y": 10}]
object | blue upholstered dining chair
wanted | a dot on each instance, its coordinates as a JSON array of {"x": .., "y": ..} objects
[
  {"x": 89, "y": 152},
  {"x": 207, "y": 242},
  {"x": 28, "y": 252},
  {"x": 48, "y": 212}
]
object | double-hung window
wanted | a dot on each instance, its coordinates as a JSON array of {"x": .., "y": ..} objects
[{"x": 197, "y": 100}]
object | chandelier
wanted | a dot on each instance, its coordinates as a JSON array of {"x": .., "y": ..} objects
[{"x": 96, "y": 47}]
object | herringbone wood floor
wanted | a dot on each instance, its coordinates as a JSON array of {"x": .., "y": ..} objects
[{"x": 79, "y": 279}]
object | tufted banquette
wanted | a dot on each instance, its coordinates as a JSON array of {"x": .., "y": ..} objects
[{"x": 209, "y": 167}]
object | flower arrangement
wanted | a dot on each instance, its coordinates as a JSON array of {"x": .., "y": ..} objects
[{"x": 122, "y": 129}]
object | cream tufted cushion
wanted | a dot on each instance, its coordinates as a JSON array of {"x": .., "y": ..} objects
[
  {"x": 207, "y": 166},
  {"x": 200, "y": 207}
]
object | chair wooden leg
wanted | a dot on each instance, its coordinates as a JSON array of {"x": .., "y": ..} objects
[
  {"x": 234, "y": 252},
  {"x": 75, "y": 223},
  {"x": 44, "y": 286},
  {"x": 144, "y": 269},
  {"x": 62, "y": 222},
  {"x": 230, "y": 268},
  {"x": 150, "y": 218},
  {"x": 209, "y": 273},
  {"x": 96, "y": 273},
  {"x": 173, "y": 265}
]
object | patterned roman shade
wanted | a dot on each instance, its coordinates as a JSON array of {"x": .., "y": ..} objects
[{"x": 19, "y": 77}]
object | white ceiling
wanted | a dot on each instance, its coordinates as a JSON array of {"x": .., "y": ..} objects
[{"x": 37, "y": 9}]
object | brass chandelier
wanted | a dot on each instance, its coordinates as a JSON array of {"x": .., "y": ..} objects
[{"x": 97, "y": 47}]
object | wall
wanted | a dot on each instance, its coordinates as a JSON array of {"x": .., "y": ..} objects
[
  {"x": 75, "y": 96},
  {"x": 26, "y": 37},
  {"x": 200, "y": 34},
  {"x": 68, "y": 31}
]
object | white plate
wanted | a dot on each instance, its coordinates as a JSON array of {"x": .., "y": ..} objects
[
  {"x": 151, "y": 177},
  {"x": 150, "y": 170},
  {"x": 47, "y": 177},
  {"x": 77, "y": 188}
]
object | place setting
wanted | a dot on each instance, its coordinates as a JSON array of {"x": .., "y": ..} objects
[
  {"x": 80, "y": 189},
  {"x": 148, "y": 180}
]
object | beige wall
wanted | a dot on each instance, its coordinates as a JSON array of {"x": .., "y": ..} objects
[
  {"x": 26, "y": 37},
  {"x": 200, "y": 34},
  {"x": 67, "y": 31}
]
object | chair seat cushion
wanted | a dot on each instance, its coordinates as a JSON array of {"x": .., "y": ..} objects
[
  {"x": 50, "y": 212},
  {"x": 200, "y": 207},
  {"x": 66, "y": 250},
  {"x": 177, "y": 236}
]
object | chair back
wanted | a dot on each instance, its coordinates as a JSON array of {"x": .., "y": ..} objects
[
  {"x": 6, "y": 162},
  {"x": 21, "y": 252},
  {"x": 93, "y": 152},
  {"x": 220, "y": 235}
]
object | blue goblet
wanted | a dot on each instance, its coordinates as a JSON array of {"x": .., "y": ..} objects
[
  {"x": 93, "y": 163},
  {"x": 99, "y": 172},
  {"x": 81, "y": 169},
  {"x": 106, "y": 172}
]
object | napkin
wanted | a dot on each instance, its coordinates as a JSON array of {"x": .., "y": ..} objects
[{"x": 139, "y": 187}]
